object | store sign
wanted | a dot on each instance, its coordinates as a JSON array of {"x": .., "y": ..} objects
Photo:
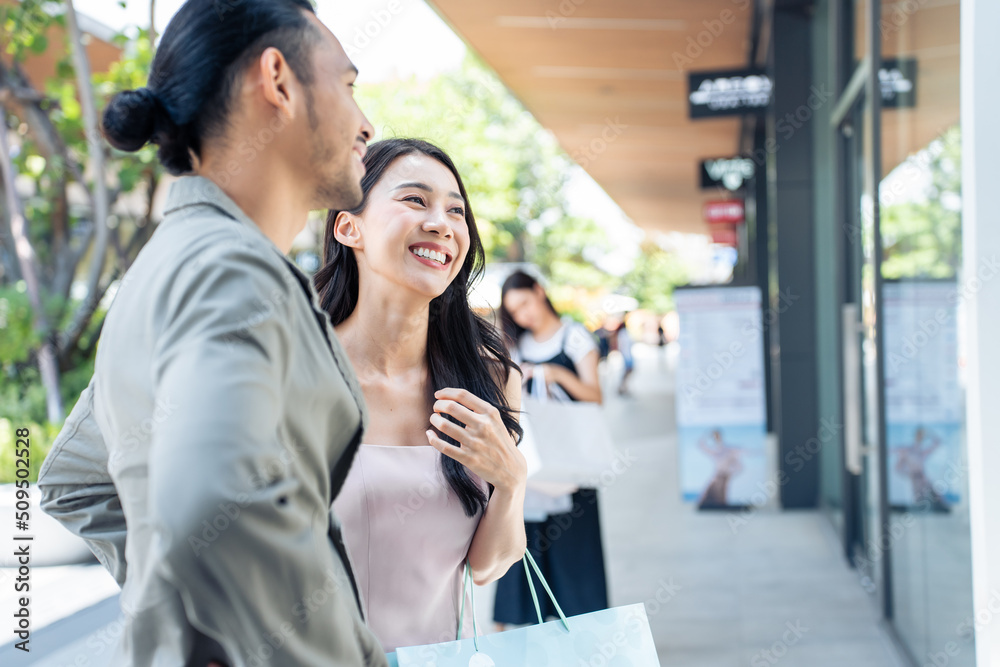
[
  {"x": 727, "y": 211},
  {"x": 725, "y": 235},
  {"x": 729, "y": 173},
  {"x": 728, "y": 93},
  {"x": 898, "y": 78}
]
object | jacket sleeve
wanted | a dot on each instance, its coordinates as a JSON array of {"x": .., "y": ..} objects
[
  {"x": 237, "y": 528},
  {"x": 77, "y": 489}
]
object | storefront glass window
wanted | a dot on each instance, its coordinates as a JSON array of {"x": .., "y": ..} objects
[{"x": 920, "y": 198}]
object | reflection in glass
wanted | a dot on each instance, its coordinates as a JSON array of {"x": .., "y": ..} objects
[
  {"x": 921, "y": 223},
  {"x": 861, "y": 9}
]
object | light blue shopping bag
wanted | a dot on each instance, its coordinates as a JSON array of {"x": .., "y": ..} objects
[{"x": 618, "y": 637}]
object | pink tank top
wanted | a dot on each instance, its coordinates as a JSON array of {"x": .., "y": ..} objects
[{"x": 408, "y": 537}]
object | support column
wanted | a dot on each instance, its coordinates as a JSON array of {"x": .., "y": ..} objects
[
  {"x": 792, "y": 258},
  {"x": 980, "y": 280}
]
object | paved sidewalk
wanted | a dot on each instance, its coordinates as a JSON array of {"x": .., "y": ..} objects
[{"x": 718, "y": 593}]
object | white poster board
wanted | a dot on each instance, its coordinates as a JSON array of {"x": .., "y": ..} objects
[
  {"x": 721, "y": 413},
  {"x": 923, "y": 399}
]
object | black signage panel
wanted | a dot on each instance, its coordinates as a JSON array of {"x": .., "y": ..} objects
[
  {"x": 898, "y": 78},
  {"x": 728, "y": 93},
  {"x": 726, "y": 172}
]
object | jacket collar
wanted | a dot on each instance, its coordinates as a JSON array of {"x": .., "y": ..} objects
[{"x": 200, "y": 191}]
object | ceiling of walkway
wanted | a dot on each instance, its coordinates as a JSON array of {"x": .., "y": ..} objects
[
  {"x": 929, "y": 33},
  {"x": 609, "y": 78}
]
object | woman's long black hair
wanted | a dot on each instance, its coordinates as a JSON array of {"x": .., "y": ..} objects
[
  {"x": 463, "y": 349},
  {"x": 517, "y": 280}
]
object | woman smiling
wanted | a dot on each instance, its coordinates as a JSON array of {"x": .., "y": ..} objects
[{"x": 439, "y": 480}]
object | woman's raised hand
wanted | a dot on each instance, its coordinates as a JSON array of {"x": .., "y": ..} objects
[{"x": 487, "y": 447}]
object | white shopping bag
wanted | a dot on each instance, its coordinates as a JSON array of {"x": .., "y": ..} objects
[
  {"x": 572, "y": 439},
  {"x": 528, "y": 448},
  {"x": 620, "y": 636}
]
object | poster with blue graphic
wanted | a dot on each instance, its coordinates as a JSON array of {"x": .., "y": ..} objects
[
  {"x": 721, "y": 415},
  {"x": 923, "y": 397}
]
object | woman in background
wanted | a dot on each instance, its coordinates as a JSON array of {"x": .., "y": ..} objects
[
  {"x": 623, "y": 343},
  {"x": 439, "y": 480},
  {"x": 565, "y": 542}
]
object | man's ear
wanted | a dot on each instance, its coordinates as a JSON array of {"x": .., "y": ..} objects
[
  {"x": 278, "y": 82},
  {"x": 347, "y": 230}
]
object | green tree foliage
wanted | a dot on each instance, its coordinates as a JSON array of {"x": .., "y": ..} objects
[
  {"x": 516, "y": 173},
  {"x": 513, "y": 169},
  {"x": 653, "y": 277},
  {"x": 50, "y": 158},
  {"x": 922, "y": 236}
]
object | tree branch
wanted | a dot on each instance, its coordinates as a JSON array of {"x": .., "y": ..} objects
[
  {"x": 8, "y": 252},
  {"x": 17, "y": 92},
  {"x": 152, "y": 23},
  {"x": 81, "y": 64},
  {"x": 28, "y": 262}
]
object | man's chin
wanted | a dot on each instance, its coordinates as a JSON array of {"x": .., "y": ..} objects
[{"x": 341, "y": 195}]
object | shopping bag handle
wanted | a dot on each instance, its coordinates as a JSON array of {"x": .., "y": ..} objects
[
  {"x": 466, "y": 578},
  {"x": 539, "y": 387},
  {"x": 527, "y": 558}
]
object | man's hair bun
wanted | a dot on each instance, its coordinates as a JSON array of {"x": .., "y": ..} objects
[{"x": 130, "y": 119}]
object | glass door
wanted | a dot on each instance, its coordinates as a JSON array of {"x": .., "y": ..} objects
[
  {"x": 864, "y": 455},
  {"x": 858, "y": 123}
]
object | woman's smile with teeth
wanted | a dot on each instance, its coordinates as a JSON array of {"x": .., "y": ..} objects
[{"x": 427, "y": 253}]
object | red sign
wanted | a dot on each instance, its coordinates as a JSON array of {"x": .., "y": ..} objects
[
  {"x": 727, "y": 211},
  {"x": 725, "y": 235}
]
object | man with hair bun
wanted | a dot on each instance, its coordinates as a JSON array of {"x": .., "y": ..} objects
[{"x": 201, "y": 461}]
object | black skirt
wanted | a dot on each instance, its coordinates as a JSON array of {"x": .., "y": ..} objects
[{"x": 567, "y": 548}]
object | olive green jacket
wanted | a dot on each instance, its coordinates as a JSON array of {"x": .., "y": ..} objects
[{"x": 201, "y": 462}]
